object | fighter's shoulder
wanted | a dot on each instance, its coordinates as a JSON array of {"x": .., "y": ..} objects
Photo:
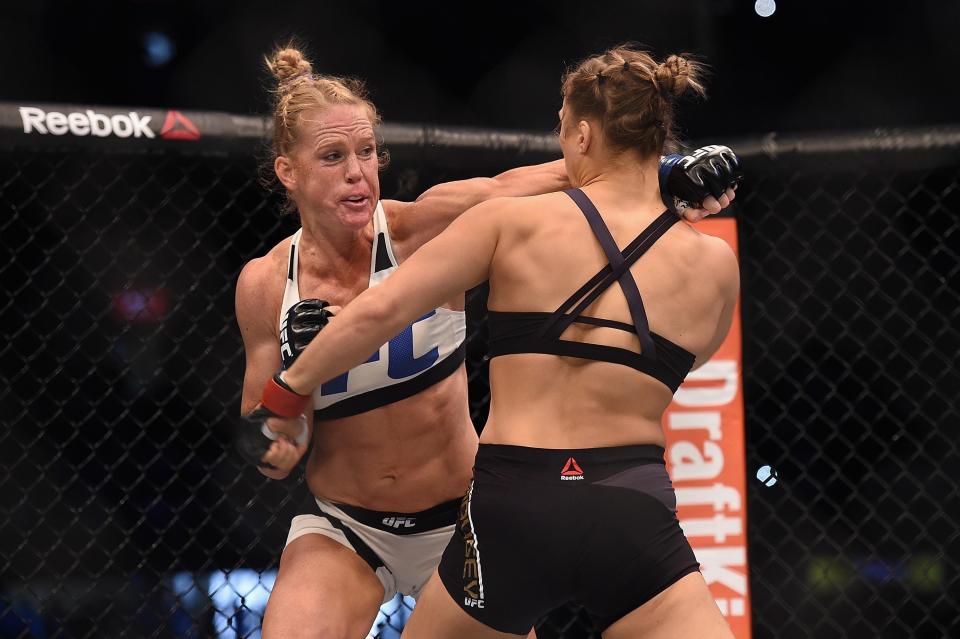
[
  {"x": 392, "y": 208},
  {"x": 401, "y": 218},
  {"x": 715, "y": 256},
  {"x": 518, "y": 208},
  {"x": 260, "y": 284},
  {"x": 271, "y": 265}
]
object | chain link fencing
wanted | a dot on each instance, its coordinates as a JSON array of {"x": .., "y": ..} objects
[
  {"x": 127, "y": 512},
  {"x": 851, "y": 302}
]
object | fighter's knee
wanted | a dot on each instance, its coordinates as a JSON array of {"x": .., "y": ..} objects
[
  {"x": 306, "y": 622},
  {"x": 304, "y": 608}
]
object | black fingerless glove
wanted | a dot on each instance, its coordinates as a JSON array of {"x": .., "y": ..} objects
[
  {"x": 253, "y": 438},
  {"x": 686, "y": 180},
  {"x": 300, "y": 325}
]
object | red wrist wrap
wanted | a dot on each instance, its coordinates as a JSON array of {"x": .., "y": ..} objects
[{"x": 282, "y": 401}]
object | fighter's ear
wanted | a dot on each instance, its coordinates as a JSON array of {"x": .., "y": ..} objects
[
  {"x": 284, "y": 168},
  {"x": 585, "y": 135}
]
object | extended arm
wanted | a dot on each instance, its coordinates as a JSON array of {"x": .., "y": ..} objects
[
  {"x": 706, "y": 179},
  {"x": 440, "y": 205},
  {"x": 456, "y": 260}
]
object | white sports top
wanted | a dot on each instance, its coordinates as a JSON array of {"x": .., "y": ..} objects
[{"x": 424, "y": 353}]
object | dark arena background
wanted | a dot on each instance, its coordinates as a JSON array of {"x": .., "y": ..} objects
[{"x": 125, "y": 510}]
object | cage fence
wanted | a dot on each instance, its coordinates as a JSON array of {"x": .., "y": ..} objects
[{"x": 127, "y": 512}]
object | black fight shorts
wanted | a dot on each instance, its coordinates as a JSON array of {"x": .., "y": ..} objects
[{"x": 541, "y": 527}]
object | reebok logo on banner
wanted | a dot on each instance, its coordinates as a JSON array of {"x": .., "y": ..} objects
[
  {"x": 84, "y": 123},
  {"x": 177, "y": 126},
  {"x": 571, "y": 471}
]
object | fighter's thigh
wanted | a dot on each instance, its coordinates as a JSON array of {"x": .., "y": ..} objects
[
  {"x": 685, "y": 609},
  {"x": 437, "y": 616},
  {"x": 323, "y": 590}
]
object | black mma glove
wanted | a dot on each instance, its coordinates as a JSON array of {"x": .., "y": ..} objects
[
  {"x": 686, "y": 180},
  {"x": 254, "y": 438},
  {"x": 300, "y": 325},
  {"x": 277, "y": 400},
  {"x": 303, "y": 321}
]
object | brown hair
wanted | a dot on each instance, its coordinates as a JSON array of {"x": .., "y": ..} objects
[
  {"x": 632, "y": 95},
  {"x": 299, "y": 90}
]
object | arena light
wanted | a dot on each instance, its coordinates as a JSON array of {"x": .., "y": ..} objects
[
  {"x": 767, "y": 475},
  {"x": 926, "y": 573},
  {"x": 828, "y": 574},
  {"x": 158, "y": 48},
  {"x": 237, "y": 599},
  {"x": 765, "y": 8},
  {"x": 141, "y": 306},
  {"x": 922, "y": 573}
]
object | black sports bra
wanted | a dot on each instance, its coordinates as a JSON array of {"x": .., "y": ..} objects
[{"x": 539, "y": 332}]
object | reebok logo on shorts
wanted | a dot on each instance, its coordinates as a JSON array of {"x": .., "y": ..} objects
[{"x": 571, "y": 471}]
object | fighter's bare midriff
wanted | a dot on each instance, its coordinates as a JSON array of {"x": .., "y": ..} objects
[{"x": 404, "y": 457}]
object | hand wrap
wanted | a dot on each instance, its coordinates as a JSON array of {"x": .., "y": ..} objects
[{"x": 278, "y": 400}]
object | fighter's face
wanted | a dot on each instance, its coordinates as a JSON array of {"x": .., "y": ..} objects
[{"x": 334, "y": 165}]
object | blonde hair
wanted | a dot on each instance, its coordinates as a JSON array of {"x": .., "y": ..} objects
[
  {"x": 299, "y": 90},
  {"x": 632, "y": 95}
]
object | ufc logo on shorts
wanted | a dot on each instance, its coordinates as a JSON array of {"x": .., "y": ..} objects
[
  {"x": 400, "y": 522},
  {"x": 472, "y": 603}
]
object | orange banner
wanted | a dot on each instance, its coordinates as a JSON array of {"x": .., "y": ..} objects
[{"x": 706, "y": 459}]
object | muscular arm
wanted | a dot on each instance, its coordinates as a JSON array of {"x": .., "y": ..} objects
[
  {"x": 437, "y": 207},
  {"x": 260, "y": 342},
  {"x": 723, "y": 262},
  {"x": 419, "y": 221},
  {"x": 424, "y": 281}
]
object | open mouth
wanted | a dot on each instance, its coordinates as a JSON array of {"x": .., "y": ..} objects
[{"x": 356, "y": 201}]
